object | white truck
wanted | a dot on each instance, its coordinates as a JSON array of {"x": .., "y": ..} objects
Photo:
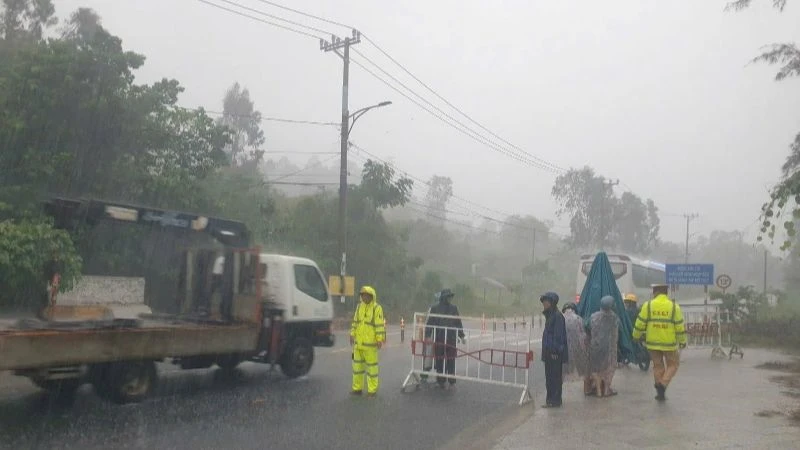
[{"x": 263, "y": 308}]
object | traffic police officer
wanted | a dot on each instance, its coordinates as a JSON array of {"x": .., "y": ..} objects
[
  {"x": 661, "y": 322},
  {"x": 367, "y": 335}
]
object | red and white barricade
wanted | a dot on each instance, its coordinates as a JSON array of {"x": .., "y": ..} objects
[
  {"x": 707, "y": 327},
  {"x": 485, "y": 356}
]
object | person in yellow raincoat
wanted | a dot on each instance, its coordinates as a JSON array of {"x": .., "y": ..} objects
[
  {"x": 660, "y": 323},
  {"x": 367, "y": 335}
]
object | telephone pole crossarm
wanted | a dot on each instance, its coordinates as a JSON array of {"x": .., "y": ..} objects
[{"x": 337, "y": 43}]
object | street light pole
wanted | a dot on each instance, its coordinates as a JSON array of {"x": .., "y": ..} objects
[{"x": 345, "y": 137}]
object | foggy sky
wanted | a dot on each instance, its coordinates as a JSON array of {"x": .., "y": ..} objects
[{"x": 657, "y": 94}]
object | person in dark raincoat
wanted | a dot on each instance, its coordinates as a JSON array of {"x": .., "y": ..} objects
[
  {"x": 445, "y": 330},
  {"x": 555, "y": 352},
  {"x": 604, "y": 330}
]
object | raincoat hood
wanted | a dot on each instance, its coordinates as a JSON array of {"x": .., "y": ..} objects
[{"x": 371, "y": 291}]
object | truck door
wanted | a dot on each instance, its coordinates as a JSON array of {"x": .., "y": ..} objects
[{"x": 310, "y": 294}]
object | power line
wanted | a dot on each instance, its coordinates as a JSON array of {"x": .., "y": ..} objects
[
  {"x": 296, "y": 11},
  {"x": 461, "y": 128},
  {"x": 471, "y": 213},
  {"x": 271, "y": 119},
  {"x": 267, "y": 22},
  {"x": 259, "y": 117},
  {"x": 290, "y": 183},
  {"x": 426, "y": 183},
  {"x": 246, "y": 8},
  {"x": 296, "y": 152},
  {"x": 536, "y": 162},
  {"x": 540, "y": 161},
  {"x": 448, "y": 103}
]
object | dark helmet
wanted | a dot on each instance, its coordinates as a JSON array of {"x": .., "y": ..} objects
[
  {"x": 552, "y": 297},
  {"x": 570, "y": 305},
  {"x": 445, "y": 295}
]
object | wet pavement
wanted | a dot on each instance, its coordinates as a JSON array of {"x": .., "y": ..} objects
[
  {"x": 253, "y": 408},
  {"x": 712, "y": 404}
]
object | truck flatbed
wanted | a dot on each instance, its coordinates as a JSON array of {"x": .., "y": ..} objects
[{"x": 60, "y": 344}]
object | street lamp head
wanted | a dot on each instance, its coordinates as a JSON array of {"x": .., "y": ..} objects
[{"x": 386, "y": 103}]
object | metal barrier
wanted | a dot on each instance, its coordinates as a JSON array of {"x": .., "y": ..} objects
[
  {"x": 708, "y": 327},
  {"x": 496, "y": 357}
]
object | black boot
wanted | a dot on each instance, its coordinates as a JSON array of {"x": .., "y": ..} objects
[{"x": 660, "y": 391}]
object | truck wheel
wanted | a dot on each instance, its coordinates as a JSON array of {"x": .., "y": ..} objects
[
  {"x": 297, "y": 359},
  {"x": 127, "y": 382},
  {"x": 228, "y": 362}
]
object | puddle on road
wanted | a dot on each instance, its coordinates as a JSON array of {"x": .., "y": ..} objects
[{"x": 790, "y": 380}]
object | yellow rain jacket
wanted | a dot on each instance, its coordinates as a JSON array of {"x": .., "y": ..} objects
[
  {"x": 368, "y": 328},
  {"x": 661, "y": 321}
]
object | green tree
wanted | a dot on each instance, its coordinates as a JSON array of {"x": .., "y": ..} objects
[
  {"x": 588, "y": 199},
  {"x": 782, "y": 210},
  {"x": 380, "y": 185},
  {"x": 73, "y": 122},
  {"x": 244, "y": 121},
  {"x": 25, "y": 247},
  {"x": 636, "y": 224},
  {"x": 25, "y": 20},
  {"x": 82, "y": 25},
  {"x": 440, "y": 191}
]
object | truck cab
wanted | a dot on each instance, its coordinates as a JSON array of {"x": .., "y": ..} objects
[{"x": 296, "y": 286}]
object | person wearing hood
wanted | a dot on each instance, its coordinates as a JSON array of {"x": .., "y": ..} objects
[
  {"x": 444, "y": 331},
  {"x": 367, "y": 335},
  {"x": 554, "y": 348},
  {"x": 604, "y": 338},
  {"x": 577, "y": 346}
]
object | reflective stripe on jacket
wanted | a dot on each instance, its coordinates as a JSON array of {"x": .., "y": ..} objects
[
  {"x": 367, "y": 328},
  {"x": 661, "y": 320}
]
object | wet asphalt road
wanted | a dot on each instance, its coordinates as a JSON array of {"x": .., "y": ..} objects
[{"x": 253, "y": 408}]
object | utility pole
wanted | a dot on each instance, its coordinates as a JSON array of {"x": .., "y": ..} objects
[
  {"x": 604, "y": 216},
  {"x": 533, "y": 249},
  {"x": 334, "y": 45},
  {"x": 689, "y": 218}
]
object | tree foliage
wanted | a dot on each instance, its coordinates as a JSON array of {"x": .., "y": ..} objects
[
  {"x": 25, "y": 247},
  {"x": 588, "y": 199},
  {"x": 25, "y": 20},
  {"x": 73, "y": 122},
  {"x": 600, "y": 219},
  {"x": 378, "y": 184},
  {"x": 782, "y": 211},
  {"x": 244, "y": 122},
  {"x": 440, "y": 191}
]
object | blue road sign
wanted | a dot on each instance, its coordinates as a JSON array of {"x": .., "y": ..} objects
[{"x": 685, "y": 274}]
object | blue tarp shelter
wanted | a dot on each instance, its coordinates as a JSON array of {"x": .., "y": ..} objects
[{"x": 599, "y": 283}]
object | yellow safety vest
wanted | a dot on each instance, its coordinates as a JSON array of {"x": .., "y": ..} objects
[
  {"x": 661, "y": 321},
  {"x": 368, "y": 328}
]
